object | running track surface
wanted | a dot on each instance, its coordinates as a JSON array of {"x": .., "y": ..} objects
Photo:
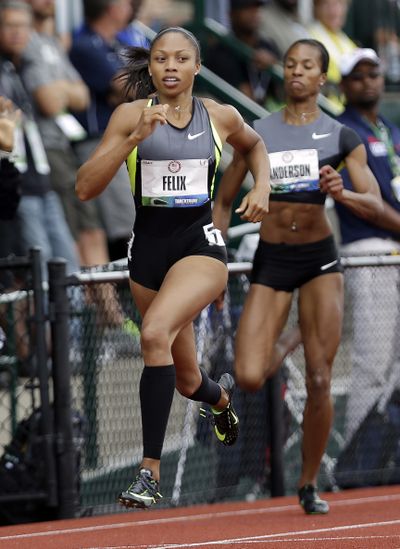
[{"x": 365, "y": 518}]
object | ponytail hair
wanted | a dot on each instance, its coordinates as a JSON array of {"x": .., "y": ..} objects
[{"x": 135, "y": 74}]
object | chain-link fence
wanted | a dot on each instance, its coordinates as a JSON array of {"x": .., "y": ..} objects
[
  {"x": 103, "y": 353},
  {"x": 107, "y": 367},
  {"x": 28, "y": 462}
]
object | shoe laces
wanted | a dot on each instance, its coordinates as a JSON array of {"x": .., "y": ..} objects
[
  {"x": 223, "y": 419},
  {"x": 144, "y": 482}
]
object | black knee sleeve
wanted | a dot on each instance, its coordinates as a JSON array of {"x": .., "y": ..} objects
[
  {"x": 157, "y": 386},
  {"x": 209, "y": 391}
]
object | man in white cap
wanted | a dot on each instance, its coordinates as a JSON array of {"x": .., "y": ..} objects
[{"x": 374, "y": 291}]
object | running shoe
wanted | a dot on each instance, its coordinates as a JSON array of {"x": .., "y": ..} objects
[
  {"x": 143, "y": 491},
  {"x": 311, "y": 502},
  {"x": 225, "y": 422}
]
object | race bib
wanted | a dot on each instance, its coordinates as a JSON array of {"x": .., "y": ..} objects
[
  {"x": 175, "y": 183},
  {"x": 294, "y": 171}
]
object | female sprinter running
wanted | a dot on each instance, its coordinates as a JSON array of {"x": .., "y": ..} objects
[
  {"x": 296, "y": 247},
  {"x": 171, "y": 143}
]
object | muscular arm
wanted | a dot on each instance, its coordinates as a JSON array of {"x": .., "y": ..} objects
[
  {"x": 365, "y": 200},
  {"x": 129, "y": 124},
  {"x": 251, "y": 155},
  {"x": 228, "y": 189},
  {"x": 388, "y": 219}
]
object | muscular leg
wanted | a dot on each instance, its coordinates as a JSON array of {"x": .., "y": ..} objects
[
  {"x": 264, "y": 316},
  {"x": 287, "y": 342},
  {"x": 166, "y": 334},
  {"x": 320, "y": 314}
]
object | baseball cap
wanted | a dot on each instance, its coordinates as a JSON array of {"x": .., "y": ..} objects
[
  {"x": 239, "y": 4},
  {"x": 349, "y": 60}
]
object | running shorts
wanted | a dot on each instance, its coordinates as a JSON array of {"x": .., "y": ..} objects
[{"x": 288, "y": 266}]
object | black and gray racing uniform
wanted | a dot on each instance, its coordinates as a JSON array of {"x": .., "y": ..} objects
[{"x": 172, "y": 175}]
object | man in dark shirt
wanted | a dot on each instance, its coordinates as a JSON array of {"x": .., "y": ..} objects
[
  {"x": 250, "y": 77},
  {"x": 371, "y": 289},
  {"x": 97, "y": 55},
  {"x": 40, "y": 215}
]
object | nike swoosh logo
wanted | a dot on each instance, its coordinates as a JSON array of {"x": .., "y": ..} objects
[
  {"x": 320, "y": 135},
  {"x": 220, "y": 436},
  {"x": 331, "y": 264},
  {"x": 195, "y": 135}
]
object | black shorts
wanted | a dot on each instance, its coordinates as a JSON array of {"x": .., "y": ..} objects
[
  {"x": 151, "y": 256},
  {"x": 289, "y": 266}
]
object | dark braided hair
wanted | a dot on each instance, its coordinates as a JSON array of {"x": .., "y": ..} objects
[{"x": 138, "y": 82}]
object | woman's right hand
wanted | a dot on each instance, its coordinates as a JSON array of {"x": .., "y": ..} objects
[
  {"x": 147, "y": 123},
  {"x": 255, "y": 204}
]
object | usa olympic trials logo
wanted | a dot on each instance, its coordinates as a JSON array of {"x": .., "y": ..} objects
[{"x": 174, "y": 166}]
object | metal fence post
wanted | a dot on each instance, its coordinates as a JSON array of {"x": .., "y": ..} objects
[
  {"x": 66, "y": 455},
  {"x": 90, "y": 382},
  {"x": 39, "y": 320},
  {"x": 275, "y": 418}
]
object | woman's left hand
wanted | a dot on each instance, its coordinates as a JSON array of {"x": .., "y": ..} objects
[{"x": 331, "y": 182}]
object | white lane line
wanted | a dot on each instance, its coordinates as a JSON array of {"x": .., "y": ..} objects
[
  {"x": 202, "y": 516},
  {"x": 286, "y": 540},
  {"x": 273, "y": 537}
]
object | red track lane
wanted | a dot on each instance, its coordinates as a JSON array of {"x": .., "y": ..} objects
[{"x": 367, "y": 518}]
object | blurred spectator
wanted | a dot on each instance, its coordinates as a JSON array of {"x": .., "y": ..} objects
[
  {"x": 8, "y": 119},
  {"x": 280, "y": 23},
  {"x": 250, "y": 77},
  {"x": 40, "y": 215},
  {"x": 132, "y": 35},
  {"x": 68, "y": 16},
  {"x": 57, "y": 88},
  {"x": 97, "y": 55},
  {"x": 167, "y": 13},
  {"x": 10, "y": 192},
  {"x": 371, "y": 289},
  {"x": 9, "y": 179},
  {"x": 219, "y": 11},
  {"x": 376, "y": 24},
  {"x": 329, "y": 19}
]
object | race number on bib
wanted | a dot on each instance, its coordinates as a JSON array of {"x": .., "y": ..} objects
[
  {"x": 294, "y": 171},
  {"x": 175, "y": 183},
  {"x": 213, "y": 235}
]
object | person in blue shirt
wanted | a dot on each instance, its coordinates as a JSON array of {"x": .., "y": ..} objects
[
  {"x": 372, "y": 357},
  {"x": 132, "y": 35},
  {"x": 97, "y": 54}
]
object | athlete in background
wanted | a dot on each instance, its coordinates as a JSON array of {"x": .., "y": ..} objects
[{"x": 296, "y": 247}]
